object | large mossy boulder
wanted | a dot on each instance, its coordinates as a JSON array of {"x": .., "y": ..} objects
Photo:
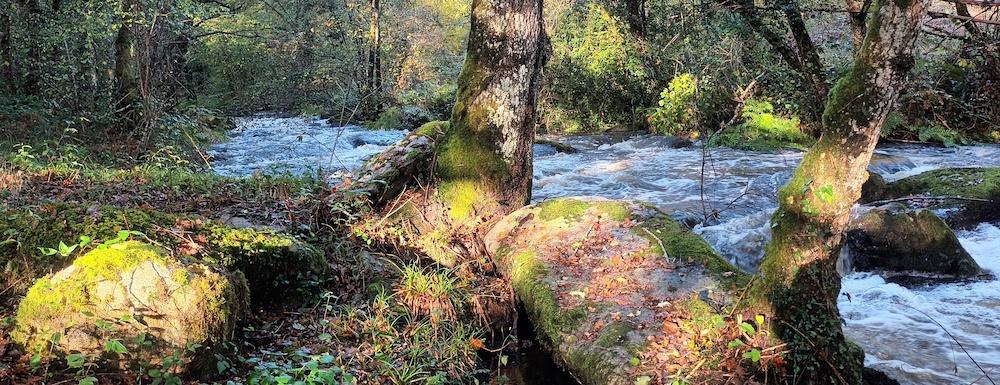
[
  {"x": 275, "y": 264},
  {"x": 896, "y": 241},
  {"x": 972, "y": 194},
  {"x": 130, "y": 304},
  {"x": 615, "y": 289}
]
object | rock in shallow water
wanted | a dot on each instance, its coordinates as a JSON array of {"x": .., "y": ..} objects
[
  {"x": 137, "y": 298},
  {"x": 895, "y": 241}
]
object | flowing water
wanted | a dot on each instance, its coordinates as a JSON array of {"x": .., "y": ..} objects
[{"x": 894, "y": 324}]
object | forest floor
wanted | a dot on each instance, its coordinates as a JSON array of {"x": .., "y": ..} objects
[{"x": 376, "y": 317}]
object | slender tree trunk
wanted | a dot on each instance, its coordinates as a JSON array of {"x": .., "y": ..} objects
[
  {"x": 126, "y": 78},
  {"x": 636, "y": 17},
  {"x": 375, "y": 56},
  {"x": 813, "y": 70},
  {"x": 856, "y": 17},
  {"x": 6, "y": 59},
  {"x": 963, "y": 10},
  {"x": 800, "y": 278},
  {"x": 33, "y": 65}
]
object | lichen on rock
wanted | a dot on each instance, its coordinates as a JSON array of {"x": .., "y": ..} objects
[
  {"x": 139, "y": 296},
  {"x": 601, "y": 278}
]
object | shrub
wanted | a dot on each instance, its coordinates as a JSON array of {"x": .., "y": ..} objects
[
  {"x": 941, "y": 135},
  {"x": 677, "y": 110}
]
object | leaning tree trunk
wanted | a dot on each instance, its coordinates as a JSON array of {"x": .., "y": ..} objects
[
  {"x": 800, "y": 279},
  {"x": 813, "y": 70},
  {"x": 856, "y": 17}
]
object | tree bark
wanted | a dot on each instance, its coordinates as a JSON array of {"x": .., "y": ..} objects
[
  {"x": 487, "y": 147},
  {"x": 636, "y": 17},
  {"x": 126, "y": 73},
  {"x": 800, "y": 278}
]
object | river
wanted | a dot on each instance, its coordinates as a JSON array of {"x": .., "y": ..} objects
[{"x": 891, "y": 322}]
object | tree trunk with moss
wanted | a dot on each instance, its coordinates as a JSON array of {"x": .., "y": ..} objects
[
  {"x": 484, "y": 159},
  {"x": 800, "y": 278}
]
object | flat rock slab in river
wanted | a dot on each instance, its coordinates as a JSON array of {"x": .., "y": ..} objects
[{"x": 610, "y": 285}]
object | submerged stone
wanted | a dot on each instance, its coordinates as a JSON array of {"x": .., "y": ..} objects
[
  {"x": 132, "y": 303},
  {"x": 896, "y": 242}
]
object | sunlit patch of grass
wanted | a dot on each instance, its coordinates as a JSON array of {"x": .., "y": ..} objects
[
  {"x": 763, "y": 130},
  {"x": 429, "y": 293}
]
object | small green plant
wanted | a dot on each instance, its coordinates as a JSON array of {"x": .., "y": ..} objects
[
  {"x": 941, "y": 135},
  {"x": 677, "y": 109}
]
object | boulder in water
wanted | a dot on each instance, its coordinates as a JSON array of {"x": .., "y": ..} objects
[
  {"x": 901, "y": 242},
  {"x": 132, "y": 303},
  {"x": 972, "y": 194},
  {"x": 873, "y": 189}
]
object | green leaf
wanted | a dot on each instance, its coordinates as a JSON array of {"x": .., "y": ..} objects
[
  {"x": 84, "y": 241},
  {"x": 115, "y": 346},
  {"x": 75, "y": 361},
  {"x": 643, "y": 380},
  {"x": 634, "y": 361},
  {"x": 48, "y": 252},
  {"x": 747, "y": 328},
  {"x": 88, "y": 381},
  {"x": 753, "y": 355},
  {"x": 65, "y": 250},
  {"x": 735, "y": 343},
  {"x": 503, "y": 359}
]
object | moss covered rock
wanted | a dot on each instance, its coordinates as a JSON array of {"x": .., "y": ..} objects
[
  {"x": 982, "y": 185},
  {"x": 132, "y": 303},
  {"x": 900, "y": 242},
  {"x": 873, "y": 189},
  {"x": 601, "y": 278},
  {"x": 274, "y": 263}
]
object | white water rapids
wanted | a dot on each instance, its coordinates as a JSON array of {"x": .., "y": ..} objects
[{"x": 892, "y": 323}]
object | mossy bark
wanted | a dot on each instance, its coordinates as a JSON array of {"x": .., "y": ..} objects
[
  {"x": 800, "y": 282},
  {"x": 485, "y": 155}
]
